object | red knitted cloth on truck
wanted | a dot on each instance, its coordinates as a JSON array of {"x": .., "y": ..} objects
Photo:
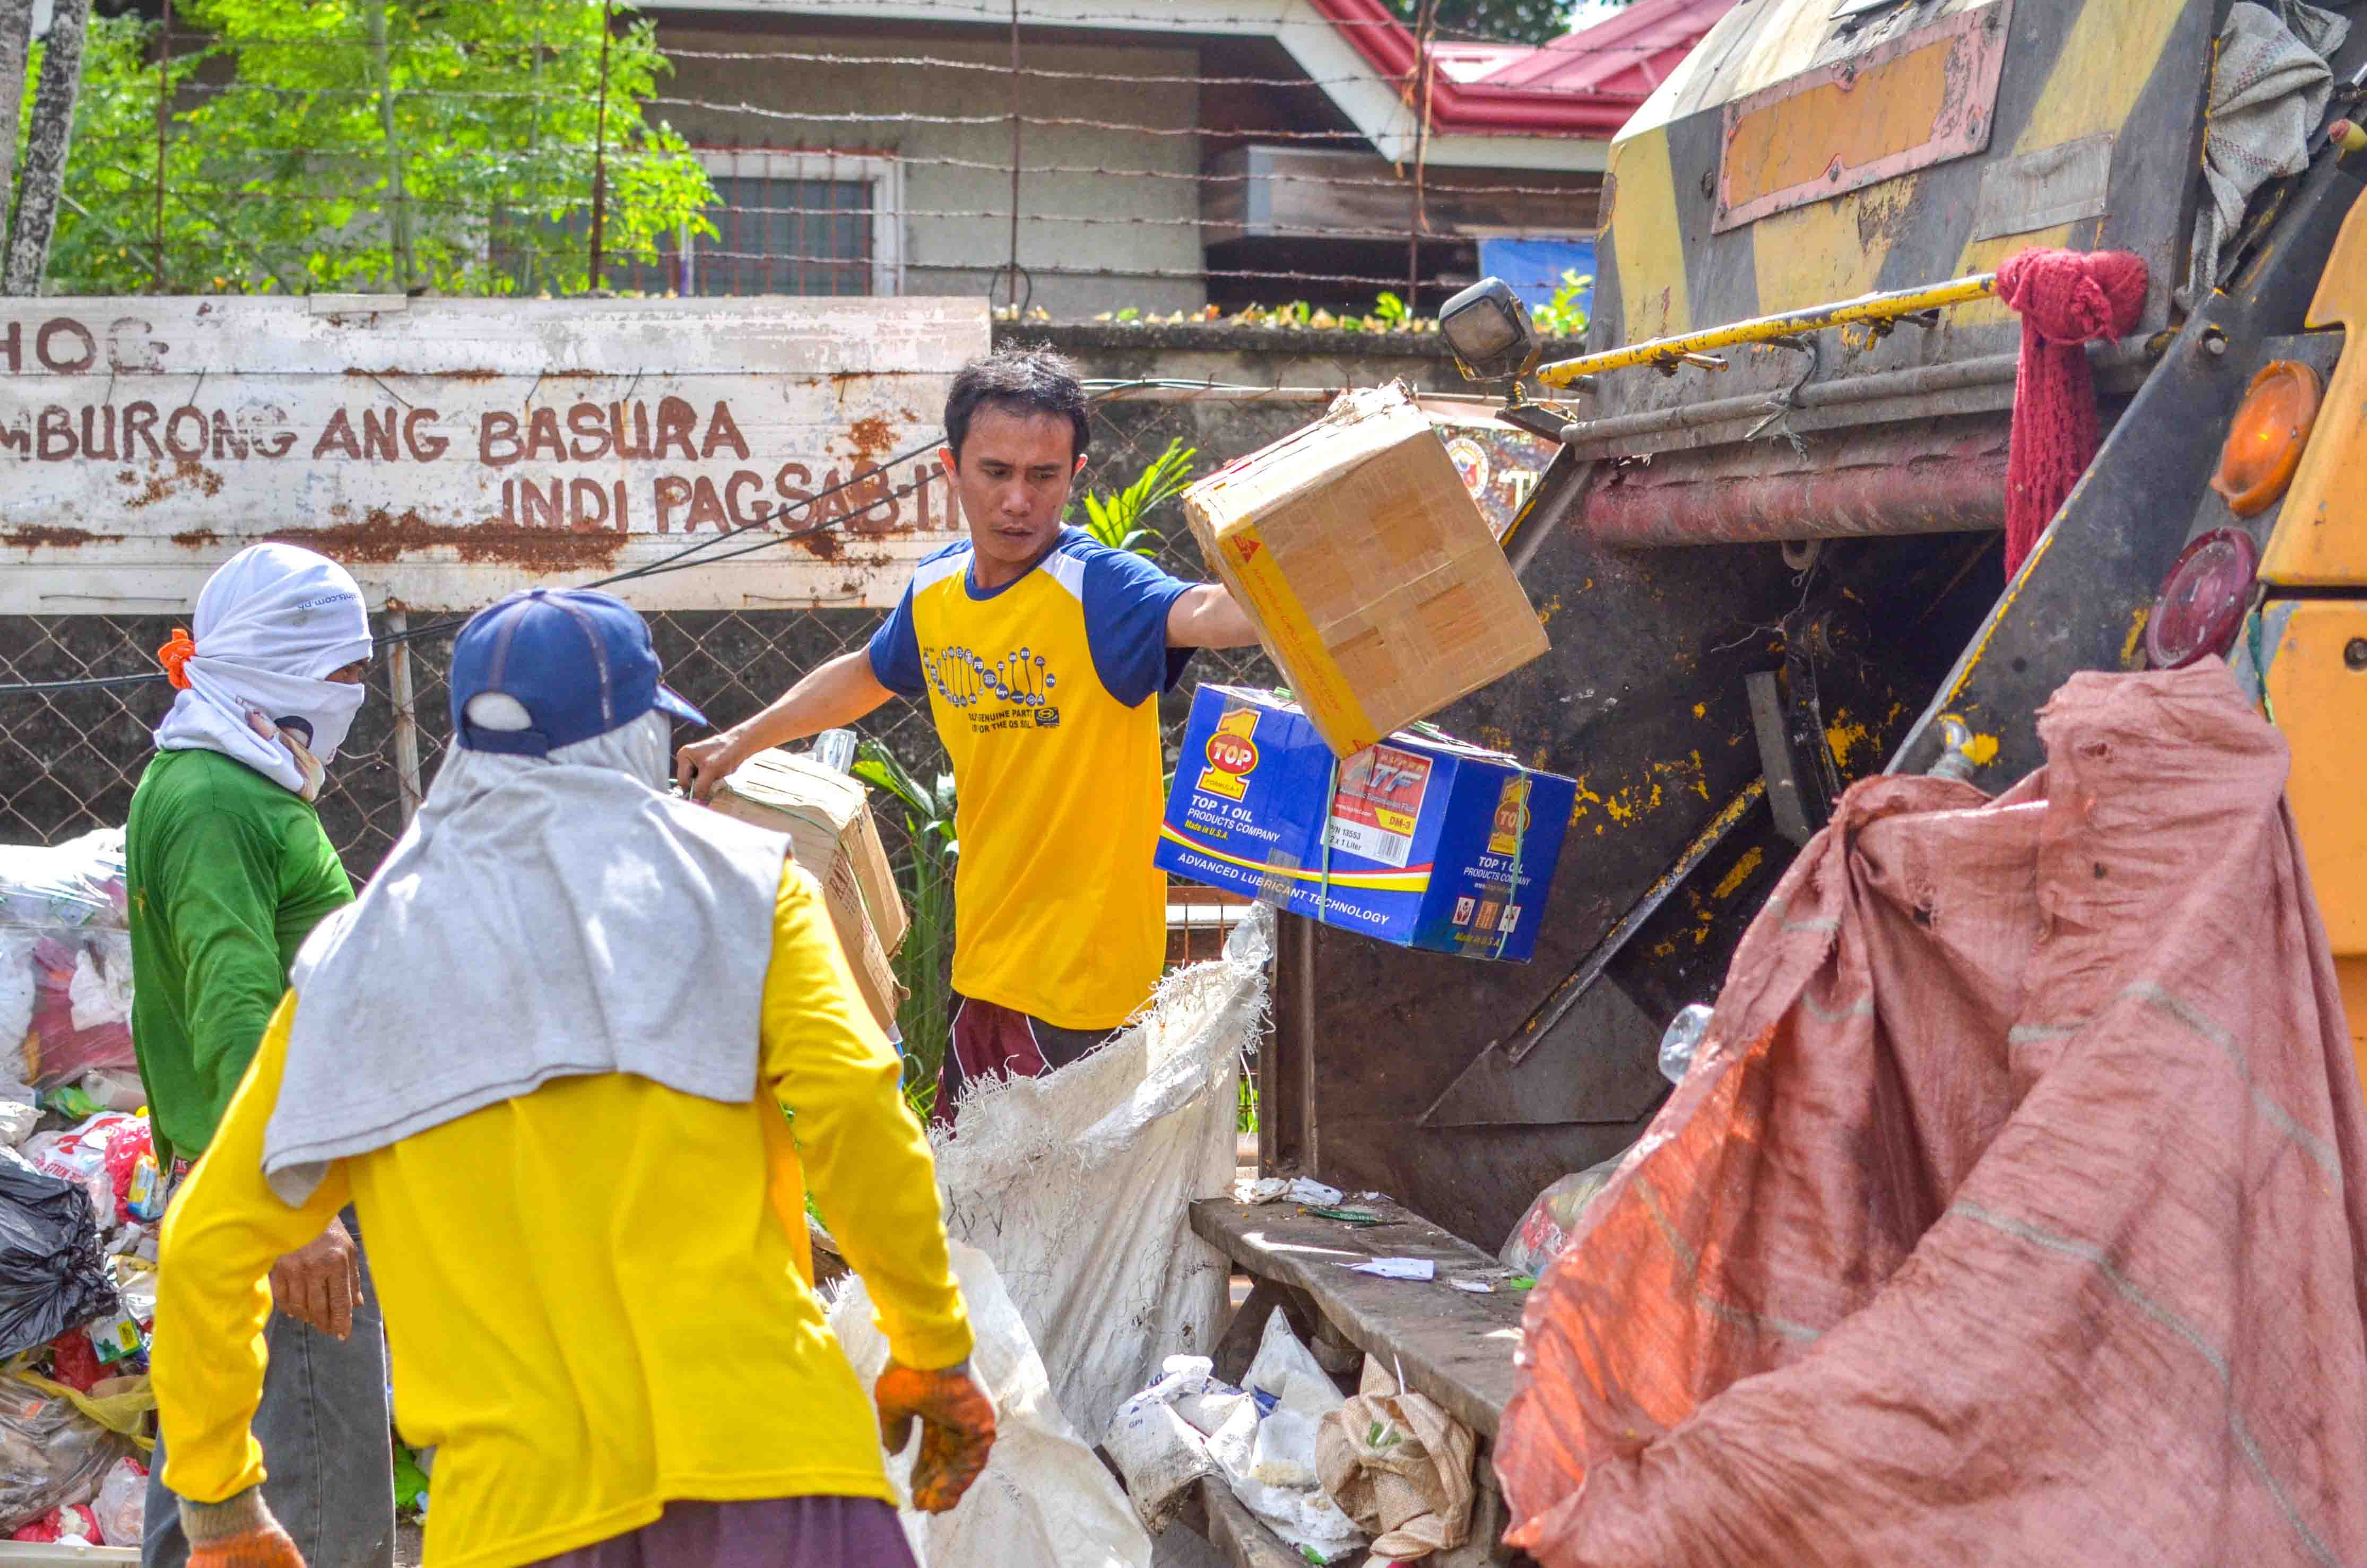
[{"x": 2065, "y": 300}]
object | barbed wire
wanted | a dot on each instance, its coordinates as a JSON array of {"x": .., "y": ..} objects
[
  {"x": 919, "y": 61},
  {"x": 997, "y": 16}
]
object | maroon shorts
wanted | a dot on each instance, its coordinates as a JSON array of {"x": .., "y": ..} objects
[
  {"x": 990, "y": 1039},
  {"x": 780, "y": 1532}
]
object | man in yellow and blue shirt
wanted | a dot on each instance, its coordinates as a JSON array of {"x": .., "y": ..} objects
[{"x": 1042, "y": 654}]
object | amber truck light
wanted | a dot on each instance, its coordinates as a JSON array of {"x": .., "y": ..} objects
[
  {"x": 2265, "y": 442},
  {"x": 2204, "y": 600}
]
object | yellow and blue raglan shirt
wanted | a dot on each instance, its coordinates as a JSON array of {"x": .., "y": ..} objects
[{"x": 1045, "y": 694}]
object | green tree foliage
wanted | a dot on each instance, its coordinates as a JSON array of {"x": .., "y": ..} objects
[
  {"x": 1514, "y": 21},
  {"x": 282, "y": 166}
]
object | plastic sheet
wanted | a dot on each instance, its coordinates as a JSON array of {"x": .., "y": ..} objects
[
  {"x": 52, "y": 1274},
  {"x": 1552, "y": 1218},
  {"x": 1044, "y": 1500},
  {"x": 65, "y": 960},
  {"x": 52, "y": 1455},
  {"x": 121, "y": 1505},
  {"x": 2014, "y": 1209}
]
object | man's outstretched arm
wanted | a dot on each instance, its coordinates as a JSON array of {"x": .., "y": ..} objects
[
  {"x": 837, "y": 694},
  {"x": 1208, "y": 617}
]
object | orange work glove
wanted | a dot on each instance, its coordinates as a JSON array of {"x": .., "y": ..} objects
[
  {"x": 239, "y": 1533},
  {"x": 956, "y": 1429}
]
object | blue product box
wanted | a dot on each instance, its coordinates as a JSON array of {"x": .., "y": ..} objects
[{"x": 1428, "y": 837}]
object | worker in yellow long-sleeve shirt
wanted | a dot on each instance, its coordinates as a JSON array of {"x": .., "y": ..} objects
[{"x": 546, "y": 1057}]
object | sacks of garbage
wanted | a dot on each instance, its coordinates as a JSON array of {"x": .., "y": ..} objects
[
  {"x": 1044, "y": 1499},
  {"x": 1261, "y": 1439},
  {"x": 2007, "y": 1211},
  {"x": 52, "y": 1274},
  {"x": 1036, "y": 1168},
  {"x": 1398, "y": 1466},
  {"x": 53, "y": 1456},
  {"x": 65, "y": 962}
]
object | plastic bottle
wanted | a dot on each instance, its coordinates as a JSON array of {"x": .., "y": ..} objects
[
  {"x": 1677, "y": 1043},
  {"x": 834, "y": 749}
]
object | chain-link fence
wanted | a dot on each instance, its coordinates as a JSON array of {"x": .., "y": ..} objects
[{"x": 70, "y": 759}]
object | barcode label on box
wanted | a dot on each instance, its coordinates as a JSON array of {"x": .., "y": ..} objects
[
  {"x": 1379, "y": 801},
  {"x": 1391, "y": 848}
]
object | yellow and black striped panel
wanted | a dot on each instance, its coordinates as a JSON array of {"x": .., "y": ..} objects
[{"x": 2129, "y": 70}]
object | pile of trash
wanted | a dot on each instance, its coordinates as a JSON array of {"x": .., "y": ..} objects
[
  {"x": 1384, "y": 1468},
  {"x": 80, "y": 1194}
]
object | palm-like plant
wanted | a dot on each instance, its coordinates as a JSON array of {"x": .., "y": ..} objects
[
  {"x": 925, "y": 964},
  {"x": 1114, "y": 519}
]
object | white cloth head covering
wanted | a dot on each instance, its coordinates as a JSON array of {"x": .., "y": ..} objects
[
  {"x": 270, "y": 623},
  {"x": 542, "y": 917}
]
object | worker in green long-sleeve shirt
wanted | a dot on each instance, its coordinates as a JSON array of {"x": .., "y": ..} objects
[{"x": 229, "y": 872}]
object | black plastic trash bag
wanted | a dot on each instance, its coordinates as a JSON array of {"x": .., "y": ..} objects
[{"x": 52, "y": 1274}]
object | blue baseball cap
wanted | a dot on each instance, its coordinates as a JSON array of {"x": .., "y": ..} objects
[{"x": 579, "y": 662}]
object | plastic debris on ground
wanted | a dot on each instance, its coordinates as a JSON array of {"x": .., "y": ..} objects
[
  {"x": 1394, "y": 1267},
  {"x": 1044, "y": 1499},
  {"x": 1297, "y": 1189},
  {"x": 51, "y": 1454},
  {"x": 2011, "y": 1210},
  {"x": 121, "y": 1506},
  {"x": 1399, "y": 1466},
  {"x": 1261, "y": 1439},
  {"x": 409, "y": 1482},
  {"x": 65, "y": 962},
  {"x": 71, "y": 1525}
]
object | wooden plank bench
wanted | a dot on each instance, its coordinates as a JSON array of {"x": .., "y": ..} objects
[{"x": 1455, "y": 1345}]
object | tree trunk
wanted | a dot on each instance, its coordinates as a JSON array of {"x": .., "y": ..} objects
[
  {"x": 15, "y": 41},
  {"x": 45, "y": 149}
]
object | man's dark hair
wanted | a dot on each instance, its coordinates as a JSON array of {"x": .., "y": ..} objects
[{"x": 1018, "y": 380}]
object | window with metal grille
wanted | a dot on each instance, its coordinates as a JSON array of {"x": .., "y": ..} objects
[
  {"x": 784, "y": 223},
  {"x": 785, "y": 236}
]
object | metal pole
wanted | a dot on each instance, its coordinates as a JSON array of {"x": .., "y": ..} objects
[
  {"x": 1425, "y": 24},
  {"x": 1014, "y": 158},
  {"x": 406, "y": 715},
  {"x": 1896, "y": 306},
  {"x": 600, "y": 148},
  {"x": 400, "y": 212},
  {"x": 164, "y": 122}
]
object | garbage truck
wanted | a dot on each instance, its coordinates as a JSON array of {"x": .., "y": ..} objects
[{"x": 1771, "y": 550}]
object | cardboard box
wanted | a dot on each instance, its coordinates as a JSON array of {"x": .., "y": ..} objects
[
  {"x": 828, "y": 818},
  {"x": 1432, "y": 843},
  {"x": 1374, "y": 580}
]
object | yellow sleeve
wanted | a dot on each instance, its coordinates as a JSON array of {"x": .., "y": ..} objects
[
  {"x": 225, "y": 1231},
  {"x": 865, "y": 1155}
]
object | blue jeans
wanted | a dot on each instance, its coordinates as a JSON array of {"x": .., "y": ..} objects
[{"x": 322, "y": 1425}]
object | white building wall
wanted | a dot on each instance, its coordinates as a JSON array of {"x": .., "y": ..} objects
[{"x": 1142, "y": 225}]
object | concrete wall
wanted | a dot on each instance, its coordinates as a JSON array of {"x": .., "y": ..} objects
[{"x": 1142, "y": 225}]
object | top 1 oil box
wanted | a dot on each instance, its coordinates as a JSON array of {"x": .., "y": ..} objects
[
  {"x": 1431, "y": 842},
  {"x": 1374, "y": 580}
]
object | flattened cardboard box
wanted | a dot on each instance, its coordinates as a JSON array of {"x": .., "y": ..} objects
[
  {"x": 828, "y": 819},
  {"x": 1428, "y": 842},
  {"x": 1374, "y": 580}
]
